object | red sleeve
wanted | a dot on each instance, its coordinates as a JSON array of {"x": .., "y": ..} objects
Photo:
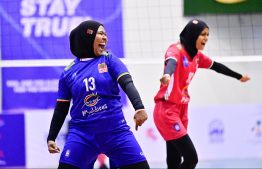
[
  {"x": 172, "y": 52},
  {"x": 204, "y": 61}
]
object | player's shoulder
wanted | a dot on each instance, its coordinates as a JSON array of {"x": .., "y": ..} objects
[
  {"x": 174, "y": 50},
  {"x": 70, "y": 65},
  {"x": 176, "y": 47}
]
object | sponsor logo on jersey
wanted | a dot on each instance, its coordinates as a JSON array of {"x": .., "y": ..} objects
[
  {"x": 89, "y": 31},
  {"x": 177, "y": 127},
  {"x": 179, "y": 47},
  {"x": 91, "y": 100},
  {"x": 94, "y": 110},
  {"x": 169, "y": 53},
  {"x": 185, "y": 61},
  {"x": 185, "y": 91},
  {"x": 67, "y": 153},
  {"x": 102, "y": 68},
  {"x": 71, "y": 64}
]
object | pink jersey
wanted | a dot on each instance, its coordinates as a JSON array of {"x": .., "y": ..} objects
[{"x": 177, "y": 90}]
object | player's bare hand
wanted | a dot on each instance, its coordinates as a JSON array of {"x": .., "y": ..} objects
[
  {"x": 244, "y": 78},
  {"x": 165, "y": 79},
  {"x": 140, "y": 117},
  {"x": 52, "y": 148}
]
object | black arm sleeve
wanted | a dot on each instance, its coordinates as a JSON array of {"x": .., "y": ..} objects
[
  {"x": 129, "y": 88},
  {"x": 170, "y": 66},
  {"x": 220, "y": 68},
  {"x": 60, "y": 113}
]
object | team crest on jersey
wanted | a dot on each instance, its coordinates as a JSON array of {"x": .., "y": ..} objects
[
  {"x": 177, "y": 127},
  {"x": 91, "y": 100},
  {"x": 179, "y": 47},
  {"x": 185, "y": 61},
  {"x": 102, "y": 68}
]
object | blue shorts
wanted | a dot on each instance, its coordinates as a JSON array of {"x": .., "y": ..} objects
[{"x": 81, "y": 149}]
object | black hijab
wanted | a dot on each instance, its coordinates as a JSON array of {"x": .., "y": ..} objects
[
  {"x": 189, "y": 36},
  {"x": 82, "y": 39}
]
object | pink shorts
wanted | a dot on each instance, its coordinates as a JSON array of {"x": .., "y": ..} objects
[{"x": 171, "y": 119}]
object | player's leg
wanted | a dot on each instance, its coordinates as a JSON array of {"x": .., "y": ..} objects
[
  {"x": 167, "y": 117},
  {"x": 139, "y": 165},
  {"x": 80, "y": 150},
  {"x": 123, "y": 150},
  {"x": 188, "y": 151},
  {"x": 66, "y": 166},
  {"x": 173, "y": 156}
]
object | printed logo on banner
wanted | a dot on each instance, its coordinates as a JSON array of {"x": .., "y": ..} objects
[
  {"x": 256, "y": 132},
  {"x": 2, "y": 162},
  {"x": 150, "y": 133},
  {"x": 1, "y": 122},
  {"x": 216, "y": 131}
]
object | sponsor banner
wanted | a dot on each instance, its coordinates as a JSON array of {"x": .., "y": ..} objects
[
  {"x": 217, "y": 129},
  {"x": 33, "y": 88},
  {"x": 30, "y": 88},
  {"x": 33, "y": 29},
  {"x": 192, "y": 7},
  {"x": 36, "y": 129},
  {"x": 12, "y": 141}
]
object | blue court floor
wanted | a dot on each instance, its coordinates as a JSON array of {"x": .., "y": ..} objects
[{"x": 228, "y": 163}]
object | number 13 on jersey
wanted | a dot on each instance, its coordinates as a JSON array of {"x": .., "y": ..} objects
[{"x": 92, "y": 85}]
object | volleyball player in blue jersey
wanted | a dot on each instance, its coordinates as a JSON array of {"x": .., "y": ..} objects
[{"x": 97, "y": 122}]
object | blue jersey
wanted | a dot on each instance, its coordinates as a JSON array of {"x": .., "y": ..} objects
[{"x": 91, "y": 84}]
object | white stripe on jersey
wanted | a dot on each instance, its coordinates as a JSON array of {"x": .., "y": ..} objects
[
  {"x": 169, "y": 87},
  {"x": 211, "y": 64}
]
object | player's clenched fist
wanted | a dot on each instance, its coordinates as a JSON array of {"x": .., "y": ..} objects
[
  {"x": 52, "y": 148},
  {"x": 165, "y": 79}
]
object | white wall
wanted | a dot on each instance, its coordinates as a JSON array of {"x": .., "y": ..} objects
[{"x": 150, "y": 26}]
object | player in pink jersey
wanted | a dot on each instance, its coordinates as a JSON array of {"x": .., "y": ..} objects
[{"x": 182, "y": 59}]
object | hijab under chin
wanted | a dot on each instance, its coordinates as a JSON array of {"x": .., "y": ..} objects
[
  {"x": 82, "y": 39},
  {"x": 189, "y": 36}
]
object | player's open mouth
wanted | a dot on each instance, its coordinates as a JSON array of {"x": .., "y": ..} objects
[{"x": 102, "y": 46}]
